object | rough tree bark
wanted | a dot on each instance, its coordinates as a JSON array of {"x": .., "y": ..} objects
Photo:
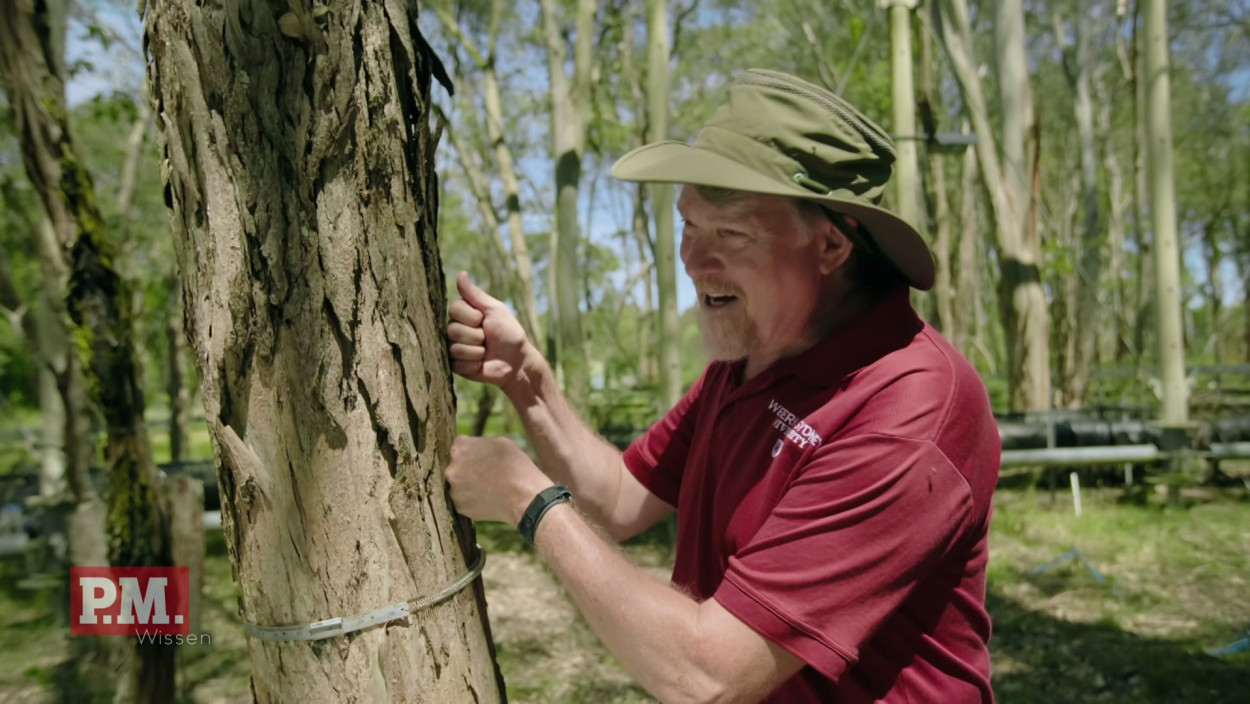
[{"x": 299, "y": 166}]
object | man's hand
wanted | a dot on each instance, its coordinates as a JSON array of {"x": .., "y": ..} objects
[
  {"x": 491, "y": 479},
  {"x": 488, "y": 343}
]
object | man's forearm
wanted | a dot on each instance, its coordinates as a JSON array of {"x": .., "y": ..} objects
[
  {"x": 653, "y": 629},
  {"x": 569, "y": 451}
]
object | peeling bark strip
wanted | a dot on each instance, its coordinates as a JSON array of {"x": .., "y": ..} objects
[{"x": 299, "y": 167}]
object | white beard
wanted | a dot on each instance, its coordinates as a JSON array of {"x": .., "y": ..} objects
[{"x": 727, "y": 337}]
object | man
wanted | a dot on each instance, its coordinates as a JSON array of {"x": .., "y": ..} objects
[{"x": 831, "y": 470}]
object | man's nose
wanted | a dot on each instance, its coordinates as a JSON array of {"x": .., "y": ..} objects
[{"x": 699, "y": 257}]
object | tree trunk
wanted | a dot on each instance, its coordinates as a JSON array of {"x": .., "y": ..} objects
[
  {"x": 300, "y": 173},
  {"x": 479, "y": 186},
  {"x": 970, "y": 335},
  {"x": 492, "y": 102},
  {"x": 944, "y": 290},
  {"x": 1245, "y": 312},
  {"x": 1022, "y": 301},
  {"x": 1118, "y": 346},
  {"x": 33, "y": 324},
  {"x": 1088, "y": 283},
  {"x": 1214, "y": 255},
  {"x": 903, "y": 101},
  {"x": 570, "y": 110},
  {"x": 648, "y": 363},
  {"x": 1144, "y": 332},
  {"x": 1171, "y": 336},
  {"x": 648, "y": 367},
  {"x": 662, "y": 206}
]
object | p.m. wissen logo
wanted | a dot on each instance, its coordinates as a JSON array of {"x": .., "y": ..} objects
[{"x": 152, "y": 603}]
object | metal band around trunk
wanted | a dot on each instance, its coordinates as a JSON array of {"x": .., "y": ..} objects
[{"x": 331, "y": 627}]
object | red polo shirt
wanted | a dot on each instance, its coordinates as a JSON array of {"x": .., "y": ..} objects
[{"x": 839, "y": 503}]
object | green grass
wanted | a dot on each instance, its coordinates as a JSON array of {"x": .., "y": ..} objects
[{"x": 1175, "y": 586}]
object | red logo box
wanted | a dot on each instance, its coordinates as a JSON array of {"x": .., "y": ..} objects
[{"x": 129, "y": 601}]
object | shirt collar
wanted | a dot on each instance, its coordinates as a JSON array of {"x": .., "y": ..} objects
[{"x": 886, "y": 326}]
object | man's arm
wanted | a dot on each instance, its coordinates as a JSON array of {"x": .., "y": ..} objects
[
  {"x": 679, "y": 650},
  {"x": 576, "y": 456},
  {"x": 489, "y": 345}
]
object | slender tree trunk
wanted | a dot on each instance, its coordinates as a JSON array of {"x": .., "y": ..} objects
[
  {"x": 32, "y": 323},
  {"x": 1022, "y": 301},
  {"x": 492, "y": 102},
  {"x": 485, "y": 406},
  {"x": 304, "y": 200},
  {"x": 969, "y": 336},
  {"x": 1087, "y": 285},
  {"x": 648, "y": 362},
  {"x": 1144, "y": 333},
  {"x": 1245, "y": 312},
  {"x": 1215, "y": 288},
  {"x": 903, "y": 100},
  {"x": 524, "y": 296},
  {"x": 134, "y": 151},
  {"x": 1117, "y": 347},
  {"x": 570, "y": 108},
  {"x": 662, "y": 206},
  {"x": 944, "y": 290},
  {"x": 646, "y": 318},
  {"x": 479, "y": 186},
  {"x": 1163, "y": 216}
]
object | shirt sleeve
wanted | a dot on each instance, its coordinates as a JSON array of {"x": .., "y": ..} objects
[
  {"x": 657, "y": 458},
  {"x": 858, "y": 527}
]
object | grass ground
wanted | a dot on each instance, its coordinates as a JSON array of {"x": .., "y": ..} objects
[{"x": 1175, "y": 585}]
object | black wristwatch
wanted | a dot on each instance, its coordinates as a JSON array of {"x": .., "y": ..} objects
[{"x": 541, "y": 504}]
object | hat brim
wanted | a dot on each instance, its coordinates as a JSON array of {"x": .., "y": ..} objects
[{"x": 676, "y": 162}]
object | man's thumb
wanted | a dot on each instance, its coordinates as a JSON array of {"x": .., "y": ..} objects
[{"x": 473, "y": 295}]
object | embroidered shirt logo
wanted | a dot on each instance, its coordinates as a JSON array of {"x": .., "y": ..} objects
[{"x": 792, "y": 428}]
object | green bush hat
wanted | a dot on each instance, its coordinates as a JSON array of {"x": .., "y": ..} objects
[{"x": 781, "y": 135}]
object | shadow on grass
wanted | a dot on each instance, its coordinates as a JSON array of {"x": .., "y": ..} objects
[{"x": 1039, "y": 658}]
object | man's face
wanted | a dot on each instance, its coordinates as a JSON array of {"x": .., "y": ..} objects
[{"x": 755, "y": 267}]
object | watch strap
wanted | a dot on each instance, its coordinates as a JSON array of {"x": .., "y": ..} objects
[{"x": 542, "y": 503}]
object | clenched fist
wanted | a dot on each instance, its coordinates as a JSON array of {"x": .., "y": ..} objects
[{"x": 488, "y": 343}]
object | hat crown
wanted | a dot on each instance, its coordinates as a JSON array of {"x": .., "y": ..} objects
[{"x": 792, "y": 130}]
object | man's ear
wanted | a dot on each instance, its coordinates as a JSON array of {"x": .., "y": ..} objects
[{"x": 835, "y": 247}]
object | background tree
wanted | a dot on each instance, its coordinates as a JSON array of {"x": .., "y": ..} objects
[
  {"x": 100, "y": 303},
  {"x": 1007, "y": 179},
  {"x": 570, "y": 118}
]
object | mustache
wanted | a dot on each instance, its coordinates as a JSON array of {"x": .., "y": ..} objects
[{"x": 721, "y": 285}]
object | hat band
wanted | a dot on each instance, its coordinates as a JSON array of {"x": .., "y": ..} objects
[{"x": 858, "y": 236}]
